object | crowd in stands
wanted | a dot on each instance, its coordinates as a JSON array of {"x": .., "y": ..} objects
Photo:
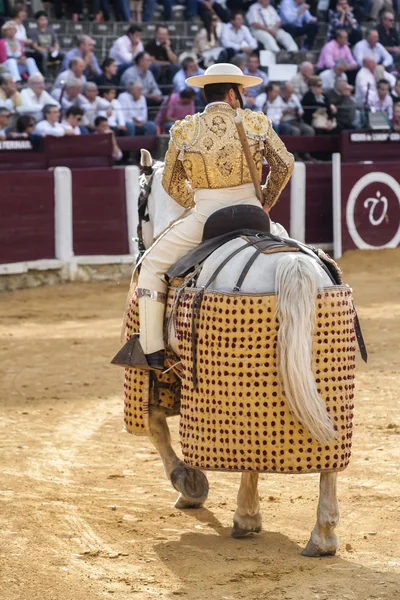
[{"x": 139, "y": 88}]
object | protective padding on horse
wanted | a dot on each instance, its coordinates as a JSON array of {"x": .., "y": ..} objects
[
  {"x": 137, "y": 389},
  {"x": 237, "y": 419}
]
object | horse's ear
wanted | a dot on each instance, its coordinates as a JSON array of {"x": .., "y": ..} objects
[{"x": 146, "y": 161}]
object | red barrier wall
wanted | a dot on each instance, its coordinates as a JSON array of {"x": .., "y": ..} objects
[
  {"x": 319, "y": 228},
  {"x": 99, "y": 210},
  {"x": 27, "y": 216}
]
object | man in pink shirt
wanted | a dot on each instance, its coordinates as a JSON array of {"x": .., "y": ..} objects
[
  {"x": 337, "y": 49},
  {"x": 178, "y": 107}
]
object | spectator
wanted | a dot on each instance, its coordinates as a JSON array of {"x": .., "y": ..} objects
[
  {"x": 377, "y": 6},
  {"x": 135, "y": 110},
  {"x": 335, "y": 50},
  {"x": 396, "y": 91},
  {"x": 93, "y": 104},
  {"x": 236, "y": 37},
  {"x": 330, "y": 76},
  {"x": 301, "y": 79},
  {"x": 73, "y": 117},
  {"x": 366, "y": 91},
  {"x": 189, "y": 68},
  {"x": 293, "y": 111},
  {"x": 45, "y": 40},
  {"x": 35, "y": 98},
  {"x": 342, "y": 18},
  {"x": 388, "y": 36},
  {"x": 396, "y": 117},
  {"x": 70, "y": 95},
  {"x": 25, "y": 127},
  {"x": 126, "y": 47},
  {"x": 208, "y": 9},
  {"x": 141, "y": 72},
  {"x": 50, "y": 125},
  {"x": 317, "y": 111},
  {"x": 10, "y": 98},
  {"x": 12, "y": 54},
  {"x": 76, "y": 68},
  {"x": 206, "y": 43},
  {"x": 30, "y": 47},
  {"x": 84, "y": 50},
  {"x": 266, "y": 27},
  {"x": 271, "y": 103},
  {"x": 345, "y": 104},
  {"x": 383, "y": 101},
  {"x": 298, "y": 21},
  {"x": 116, "y": 119},
  {"x": 253, "y": 68},
  {"x": 178, "y": 107},
  {"x": 4, "y": 123},
  {"x": 109, "y": 77},
  {"x": 370, "y": 46},
  {"x": 164, "y": 59}
]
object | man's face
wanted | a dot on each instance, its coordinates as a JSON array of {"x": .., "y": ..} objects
[
  {"x": 103, "y": 127},
  {"x": 74, "y": 91},
  {"x": 53, "y": 115},
  {"x": 342, "y": 4},
  {"x": 91, "y": 94},
  {"x": 87, "y": 46},
  {"x": 264, "y": 3},
  {"x": 339, "y": 69},
  {"x": 237, "y": 21},
  {"x": 369, "y": 64},
  {"x": 42, "y": 22},
  {"x": 191, "y": 69},
  {"x": 110, "y": 95},
  {"x": 342, "y": 38},
  {"x": 287, "y": 91},
  {"x": 373, "y": 38},
  {"x": 383, "y": 91},
  {"x": 307, "y": 70},
  {"x": 74, "y": 120},
  {"x": 162, "y": 35},
  {"x": 112, "y": 68},
  {"x": 274, "y": 93},
  {"x": 145, "y": 63},
  {"x": 4, "y": 120},
  {"x": 38, "y": 86},
  {"x": 388, "y": 20},
  {"x": 78, "y": 68},
  {"x": 396, "y": 112},
  {"x": 9, "y": 87},
  {"x": 253, "y": 63},
  {"x": 135, "y": 37}
]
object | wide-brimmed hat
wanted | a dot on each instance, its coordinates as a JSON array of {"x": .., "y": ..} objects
[{"x": 223, "y": 73}]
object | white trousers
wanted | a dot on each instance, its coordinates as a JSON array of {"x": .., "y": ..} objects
[
  {"x": 169, "y": 248},
  {"x": 12, "y": 66},
  {"x": 270, "y": 43}
]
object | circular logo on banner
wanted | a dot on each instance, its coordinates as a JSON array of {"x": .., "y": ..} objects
[{"x": 373, "y": 212}]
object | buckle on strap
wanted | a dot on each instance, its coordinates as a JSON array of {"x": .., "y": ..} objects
[{"x": 152, "y": 294}]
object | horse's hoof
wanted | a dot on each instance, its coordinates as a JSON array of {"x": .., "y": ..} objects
[
  {"x": 191, "y": 483},
  {"x": 183, "y": 502},
  {"x": 312, "y": 550},
  {"x": 246, "y": 526}
]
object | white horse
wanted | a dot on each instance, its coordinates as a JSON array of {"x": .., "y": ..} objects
[{"x": 296, "y": 278}]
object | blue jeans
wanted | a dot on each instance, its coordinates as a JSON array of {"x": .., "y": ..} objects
[
  {"x": 148, "y": 128},
  {"x": 149, "y": 8},
  {"x": 122, "y": 11}
]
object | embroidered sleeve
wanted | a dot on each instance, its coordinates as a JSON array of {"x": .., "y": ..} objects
[
  {"x": 174, "y": 178},
  {"x": 281, "y": 164}
]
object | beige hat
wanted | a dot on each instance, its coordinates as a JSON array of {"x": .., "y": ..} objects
[{"x": 223, "y": 73}]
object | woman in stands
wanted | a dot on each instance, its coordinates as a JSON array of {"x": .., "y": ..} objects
[
  {"x": 13, "y": 56},
  {"x": 317, "y": 111},
  {"x": 206, "y": 43}
]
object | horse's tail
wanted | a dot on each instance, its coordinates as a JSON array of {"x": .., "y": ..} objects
[{"x": 297, "y": 289}]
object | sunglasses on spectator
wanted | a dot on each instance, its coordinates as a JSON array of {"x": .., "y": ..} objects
[{"x": 79, "y": 119}]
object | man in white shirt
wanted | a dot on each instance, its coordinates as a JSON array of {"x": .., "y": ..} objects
[
  {"x": 300, "y": 80},
  {"x": 383, "y": 101},
  {"x": 70, "y": 95},
  {"x": 101, "y": 126},
  {"x": 293, "y": 111},
  {"x": 73, "y": 117},
  {"x": 370, "y": 46},
  {"x": 271, "y": 103},
  {"x": 93, "y": 104},
  {"x": 126, "y": 47},
  {"x": 75, "y": 69},
  {"x": 116, "y": 120},
  {"x": 236, "y": 37},
  {"x": 330, "y": 76},
  {"x": 134, "y": 105},
  {"x": 34, "y": 97},
  {"x": 266, "y": 27},
  {"x": 50, "y": 125},
  {"x": 366, "y": 91}
]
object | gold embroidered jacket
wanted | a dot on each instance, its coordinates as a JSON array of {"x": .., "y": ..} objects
[{"x": 205, "y": 152}]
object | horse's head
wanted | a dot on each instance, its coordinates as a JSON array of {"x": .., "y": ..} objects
[{"x": 156, "y": 208}]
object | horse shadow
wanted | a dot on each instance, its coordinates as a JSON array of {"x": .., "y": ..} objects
[{"x": 209, "y": 564}]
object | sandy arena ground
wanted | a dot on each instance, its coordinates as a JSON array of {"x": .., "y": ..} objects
[{"x": 87, "y": 513}]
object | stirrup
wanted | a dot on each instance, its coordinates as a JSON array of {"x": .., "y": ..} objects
[{"x": 131, "y": 356}]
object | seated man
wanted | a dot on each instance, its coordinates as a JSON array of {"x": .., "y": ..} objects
[
  {"x": 189, "y": 68},
  {"x": 214, "y": 189},
  {"x": 165, "y": 62},
  {"x": 253, "y": 68},
  {"x": 50, "y": 125},
  {"x": 330, "y": 76},
  {"x": 76, "y": 68},
  {"x": 293, "y": 112},
  {"x": 266, "y": 27},
  {"x": 382, "y": 102},
  {"x": 127, "y": 47},
  {"x": 272, "y": 105},
  {"x": 388, "y": 36},
  {"x": 340, "y": 97},
  {"x": 141, "y": 72},
  {"x": 10, "y": 98},
  {"x": 34, "y": 97},
  {"x": 343, "y": 18},
  {"x": 370, "y": 46},
  {"x": 70, "y": 94},
  {"x": 73, "y": 118},
  {"x": 366, "y": 80},
  {"x": 301, "y": 79},
  {"x": 337, "y": 49},
  {"x": 84, "y": 50},
  {"x": 117, "y": 119},
  {"x": 101, "y": 126},
  {"x": 45, "y": 40},
  {"x": 298, "y": 21},
  {"x": 93, "y": 104},
  {"x": 134, "y": 106},
  {"x": 178, "y": 107},
  {"x": 236, "y": 37}
]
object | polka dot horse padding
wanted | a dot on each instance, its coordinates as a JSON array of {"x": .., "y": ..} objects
[{"x": 237, "y": 419}]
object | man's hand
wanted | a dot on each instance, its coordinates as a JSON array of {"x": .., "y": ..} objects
[
  {"x": 109, "y": 111},
  {"x": 69, "y": 132},
  {"x": 88, "y": 58}
]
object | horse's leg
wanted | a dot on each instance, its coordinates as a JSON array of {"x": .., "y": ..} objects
[
  {"x": 247, "y": 518},
  {"x": 191, "y": 484},
  {"x": 323, "y": 540}
]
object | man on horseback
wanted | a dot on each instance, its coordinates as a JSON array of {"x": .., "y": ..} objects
[{"x": 206, "y": 170}]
